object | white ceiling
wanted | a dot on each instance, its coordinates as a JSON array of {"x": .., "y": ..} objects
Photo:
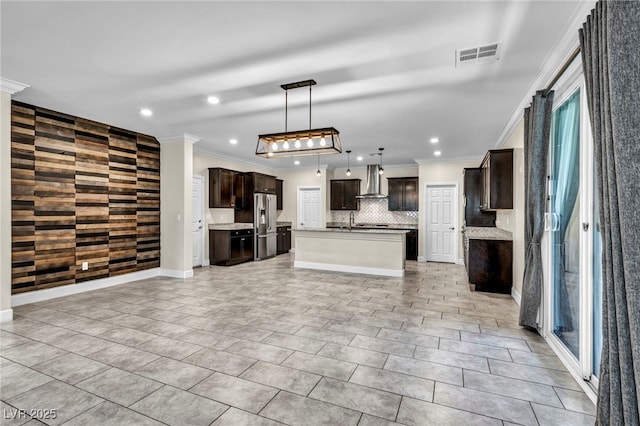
[{"x": 385, "y": 70}]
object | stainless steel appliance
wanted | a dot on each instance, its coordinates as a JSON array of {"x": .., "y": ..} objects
[{"x": 264, "y": 220}]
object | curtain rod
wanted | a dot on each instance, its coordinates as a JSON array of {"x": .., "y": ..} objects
[{"x": 566, "y": 65}]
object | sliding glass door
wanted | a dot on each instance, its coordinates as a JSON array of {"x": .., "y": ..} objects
[{"x": 573, "y": 285}]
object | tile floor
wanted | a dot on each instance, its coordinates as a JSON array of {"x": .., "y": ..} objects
[{"x": 264, "y": 344}]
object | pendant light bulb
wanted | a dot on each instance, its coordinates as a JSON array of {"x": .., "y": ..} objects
[
  {"x": 323, "y": 142},
  {"x": 297, "y": 144},
  {"x": 274, "y": 147},
  {"x": 285, "y": 145},
  {"x": 318, "y": 173},
  {"x": 310, "y": 143},
  {"x": 348, "y": 172},
  {"x": 348, "y": 162},
  {"x": 381, "y": 171}
]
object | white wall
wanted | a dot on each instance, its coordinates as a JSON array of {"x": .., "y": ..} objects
[
  {"x": 513, "y": 220},
  {"x": 431, "y": 172},
  {"x": 5, "y": 205},
  {"x": 303, "y": 177}
]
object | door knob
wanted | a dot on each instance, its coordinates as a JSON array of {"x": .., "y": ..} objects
[
  {"x": 199, "y": 227},
  {"x": 452, "y": 228}
]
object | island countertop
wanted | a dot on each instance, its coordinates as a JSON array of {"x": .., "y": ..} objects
[
  {"x": 487, "y": 233},
  {"x": 229, "y": 226},
  {"x": 354, "y": 230}
]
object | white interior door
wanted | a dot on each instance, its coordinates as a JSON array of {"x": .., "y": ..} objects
[
  {"x": 197, "y": 225},
  {"x": 309, "y": 207},
  {"x": 442, "y": 218}
]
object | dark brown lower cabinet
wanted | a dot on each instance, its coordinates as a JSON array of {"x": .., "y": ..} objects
[
  {"x": 230, "y": 247},
  {"x": 490, "y": 265},
  {"x": 412, "y": 245},
  {"x": 283, "y": 239}
]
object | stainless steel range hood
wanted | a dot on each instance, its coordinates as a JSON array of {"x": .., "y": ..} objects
[{"x": 373, "y": 183}]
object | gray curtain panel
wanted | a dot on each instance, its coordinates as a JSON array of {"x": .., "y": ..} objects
[
  {"x": 610, "y": 42},
  {"x": 537, "y": 125}
]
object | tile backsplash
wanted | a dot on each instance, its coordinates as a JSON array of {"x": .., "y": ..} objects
[{"x": 375, "y": 211}]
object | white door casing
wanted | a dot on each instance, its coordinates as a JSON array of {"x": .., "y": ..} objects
[
  {"x": 197, "y": 222},
  {"x": 442, "y": 222},
  {"x": 309, "y": 207}
]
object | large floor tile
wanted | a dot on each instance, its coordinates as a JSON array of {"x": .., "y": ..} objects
[
  {"x": 170, "y": 348},
  {"x": 550, "y": 416},
  {"x": 208, "y": 339},
  {"x": 352, "y": 354},
  {"x": 360, "y": 398},
  {"x": 296, "y": 343},
  {"x": 263, "y": 352},
  {"x": 455, "y": 359},
  {"x": 390, "y": 381},
  {"x": 424, "y": 369},
  {"x": 17, "y": 379},
  {"x": 31, "y": 353},
  {"x": 71, "y": 368},
  {"x": 119, "y": 386},
  {"x": 285, "y": 378},
  {"x": 383, "y": 345},
  {"x": 235, "y": 417},
  {"x": 9, "y": 340},
  {"x": 298, "y": 410},
  {"x": 485, "y": 404},
  {"x": 110, "y": 414},
  {"x": 514, "y": 388},
  {"x": 67, "y": 400},
  {"x": 534, "y": 374},
  {"x": 501, "y": 342},
  {"x": 420, "y": 413},
  {"x": 124, "y": 357},
  {"x": 475, "y": 349},
  {"x": 411, "y": 338},
  {"x": 177, "y": 407},
  {"x": 175, "y": 373},
  {"x": 82, "y": 344},
  {"x": 321, "y": 365},
  {"x": 576, "y": 401},
  {"x": 332, "y": 336},
  {"x": 220, "y": 361},
  {"x": 239, "y": 393}
]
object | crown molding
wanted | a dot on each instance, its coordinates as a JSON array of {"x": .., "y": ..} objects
[
  {"x": 199, "y": 150},
  {"x": 555, "y": 59},
  {"x": 423, "y": 161},
  {"x": 179, "y": 138},
  {"x": 11, "y": 87}
]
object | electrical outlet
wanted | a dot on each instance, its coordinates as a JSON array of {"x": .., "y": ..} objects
[{"x": 85, "y": 266}]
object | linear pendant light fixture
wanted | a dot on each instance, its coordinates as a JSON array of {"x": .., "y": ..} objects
[{"x": 324, "y": 140}]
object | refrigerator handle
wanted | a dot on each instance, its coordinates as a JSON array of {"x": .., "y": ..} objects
[{"x": 269, "y": 228}]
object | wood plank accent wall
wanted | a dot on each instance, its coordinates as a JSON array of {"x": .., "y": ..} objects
[{"x": 81, "y": 192}]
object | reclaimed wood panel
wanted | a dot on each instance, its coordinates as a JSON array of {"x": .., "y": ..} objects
[{"x": 81, "y": 191}]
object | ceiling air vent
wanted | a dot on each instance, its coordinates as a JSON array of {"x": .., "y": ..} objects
[{"x": 475, "y": 55}]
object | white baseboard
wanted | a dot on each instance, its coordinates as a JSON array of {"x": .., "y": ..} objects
[
  {"x": 516, "y": 295},
  {"x": 460, "y": 262},
  {"x": 207, "y": 262},
  {"x": 67, "y": 290},
  {"x": 173, "y": 273},
  {"x": 6, "y": 315},
  {"x": 292, "y": 250},
  {"x": 422, "y": 259},
  {"x": 350, "y": 269}
]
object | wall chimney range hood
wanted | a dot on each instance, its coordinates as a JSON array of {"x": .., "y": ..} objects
[{"x": 373, "y": 183}]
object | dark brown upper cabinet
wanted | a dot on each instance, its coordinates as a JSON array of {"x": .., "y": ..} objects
[
  {"x": 497, "y": 180},
  {"x": 403, "y": 194},
  {"x": 279, "y": 184},
  {"x": 473, "y": 216},
  {"x": 222, "y": 188},
  {"x": 264, "y": 183},
  {"x": 343, "y": 194}
]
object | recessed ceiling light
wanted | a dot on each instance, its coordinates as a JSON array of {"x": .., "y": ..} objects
[
  {"x": 434, "y": 140},
  {"x": 146, "y": 112},
  {"x": 213, "y": 100},
  {"x": 437, "y": 153},
  {"x": 297, "y": 162},
  {"x": 233, "y": 141},
  {"x": 359, "y": 158}
]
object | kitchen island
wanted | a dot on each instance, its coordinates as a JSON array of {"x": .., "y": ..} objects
[{"x": 360, "y": 251}]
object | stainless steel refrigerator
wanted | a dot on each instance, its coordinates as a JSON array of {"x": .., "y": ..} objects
[{"x": 264, "y": 220}]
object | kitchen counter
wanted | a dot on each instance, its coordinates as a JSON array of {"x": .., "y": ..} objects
[
  {"x": 487, "y": 233},
  {"x": 283, "y": 224},
  {"x": 229, "y": 226},
  {"x": 360, "y": 251},
  {"x": 409, "y": 226},
  {"x": 355, "y": 230}
]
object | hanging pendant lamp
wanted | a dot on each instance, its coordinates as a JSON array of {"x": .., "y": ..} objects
[
  {"x": 348, "y": 162},
  {"x": 318, "y": 141}
]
